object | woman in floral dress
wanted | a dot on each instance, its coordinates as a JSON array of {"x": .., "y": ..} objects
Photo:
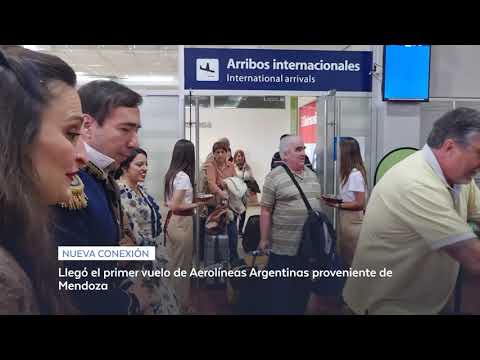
[{"x": 144, "y": 217}]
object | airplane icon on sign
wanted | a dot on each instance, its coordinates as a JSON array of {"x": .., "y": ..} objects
[{"x": 207, "y": 68}]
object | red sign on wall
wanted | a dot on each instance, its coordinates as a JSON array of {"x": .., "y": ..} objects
[{"x": 308, "y": 122}]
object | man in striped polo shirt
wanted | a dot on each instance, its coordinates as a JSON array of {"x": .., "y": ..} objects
[{"x": 283, "y": 214}]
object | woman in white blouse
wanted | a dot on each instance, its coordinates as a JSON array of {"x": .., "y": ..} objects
[
  {"x": 179, "y": 197},
  {"x": 353, "y": 193}
]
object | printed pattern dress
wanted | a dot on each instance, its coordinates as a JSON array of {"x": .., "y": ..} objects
[{"x": 144, "y": 218}]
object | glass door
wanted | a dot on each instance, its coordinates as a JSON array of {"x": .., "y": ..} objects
[
  {"x": 161, "y": 128},
  {"x": 355, "y": 120},
  {"x": 341, "y": 117},
  {"x": 324, "y": 158}
]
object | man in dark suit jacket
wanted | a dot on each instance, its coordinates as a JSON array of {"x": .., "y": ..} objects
[{"x": 112, "y": 120}]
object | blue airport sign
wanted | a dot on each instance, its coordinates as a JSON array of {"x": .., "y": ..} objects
[{"x": 290, "y": 70}]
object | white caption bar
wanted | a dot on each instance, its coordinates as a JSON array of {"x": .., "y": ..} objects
[{"x": 107, "y": 253}]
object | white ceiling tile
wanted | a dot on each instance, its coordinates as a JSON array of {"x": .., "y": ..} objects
[{"x": 135, "y": 60}]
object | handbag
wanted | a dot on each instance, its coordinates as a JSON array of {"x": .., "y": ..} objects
[
  {"x": 318, "y": 249},
  {"x": 217, "y": 221},
  {"x": 251, "y": 235}
]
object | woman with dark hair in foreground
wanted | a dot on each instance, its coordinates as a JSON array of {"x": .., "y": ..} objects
[{"x": 40, "y": 121}]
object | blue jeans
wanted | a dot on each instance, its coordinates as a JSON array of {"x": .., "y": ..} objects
[
  {"x": 232, "y": 238},
  {"x": 288, "y": 295}
]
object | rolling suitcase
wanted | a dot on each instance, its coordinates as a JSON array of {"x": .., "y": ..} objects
[{"x": 216, "y": 253}]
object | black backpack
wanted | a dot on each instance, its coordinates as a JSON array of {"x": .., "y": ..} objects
[
  {"x": 251, "y": 235},
  {"x": 318, "y": 248}
]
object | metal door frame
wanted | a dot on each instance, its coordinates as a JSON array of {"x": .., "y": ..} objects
[
  {"x": 317, "y": 94},
  {"x": 328, "y": 129}
]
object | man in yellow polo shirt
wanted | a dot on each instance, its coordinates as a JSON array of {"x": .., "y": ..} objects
[{"x": 416, "y": 224}]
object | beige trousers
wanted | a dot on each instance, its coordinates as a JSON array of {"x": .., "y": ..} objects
[
  {"x": 350, "y": 225},
  {"x": 180, "y": 251}
]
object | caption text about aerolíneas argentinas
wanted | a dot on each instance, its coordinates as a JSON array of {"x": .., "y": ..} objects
[{"x": 95, "y": 278}]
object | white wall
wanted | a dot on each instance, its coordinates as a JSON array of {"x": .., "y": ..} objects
[
  {"x": 455, "y": 71},
  {"x": 402, "y": 126},
  {"x": 255, "y": 131},
  {"x": 454, "y": 74},
  {"x": 397, "y": 124}
]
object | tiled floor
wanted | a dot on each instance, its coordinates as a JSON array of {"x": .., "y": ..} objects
[{"x": 210, "y": 301}]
